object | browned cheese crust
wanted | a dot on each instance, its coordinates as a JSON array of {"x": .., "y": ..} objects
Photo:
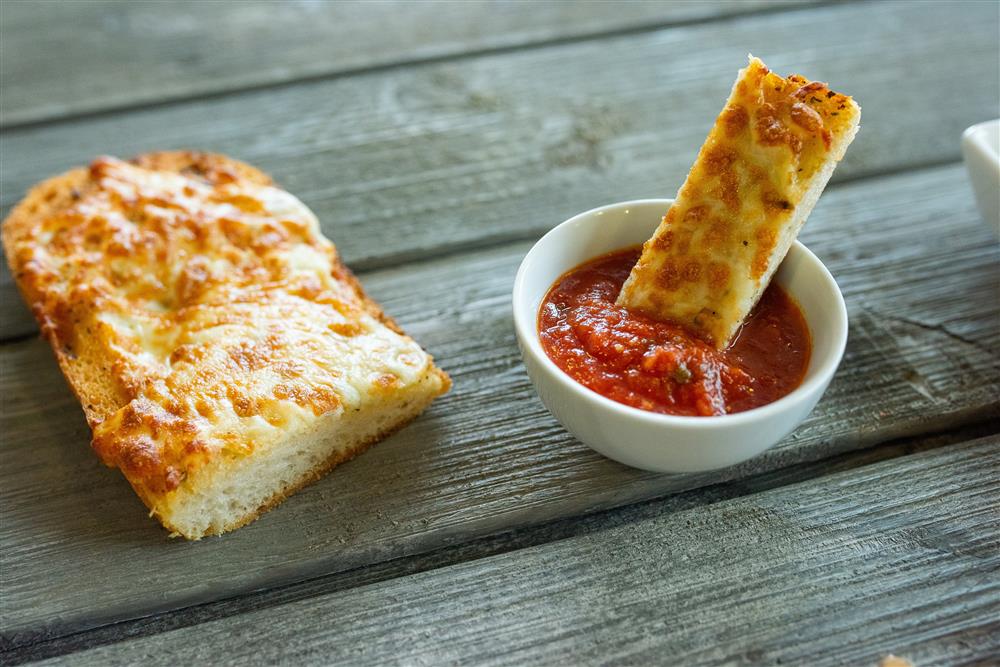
[
  {"x": 199, "y": 315},
  {"x": 758, "y": 175}
]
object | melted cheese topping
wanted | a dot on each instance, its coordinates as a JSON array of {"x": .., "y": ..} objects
[
  {"x": 737, "y": 210},
  {"x": 222, "y": 315}
]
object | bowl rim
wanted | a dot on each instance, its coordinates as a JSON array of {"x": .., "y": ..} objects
[
  {"x": 527, "y": 332},
  {"x": 974, "y": 136}
]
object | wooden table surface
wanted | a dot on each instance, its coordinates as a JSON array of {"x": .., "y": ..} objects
[{"x": 436, "y": 141}]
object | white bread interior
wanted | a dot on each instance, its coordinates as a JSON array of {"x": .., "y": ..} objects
[{"x": 229, "y": 494}]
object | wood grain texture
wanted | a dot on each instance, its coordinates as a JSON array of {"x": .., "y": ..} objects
[
  {"x": 500, "y": 543},
  {"x": 407, "y": 164},
  {"x": 899, "y": 557},
  {"x": 488, "y": 457},
  {"x": 113, "y": 54}
]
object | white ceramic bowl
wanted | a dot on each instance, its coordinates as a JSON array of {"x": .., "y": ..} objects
[
  {"x": 649, "y": 440},
  {"x": 981, "y": 150}
]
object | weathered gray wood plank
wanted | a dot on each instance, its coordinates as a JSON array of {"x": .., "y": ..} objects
[
  {"x": 901, "y": 557},
  {"x": 488, "y": 457},
  {"x": 64, "y": 58},
  {"x": 410, "y": 163},
  {"x": 500, "y": 543}
]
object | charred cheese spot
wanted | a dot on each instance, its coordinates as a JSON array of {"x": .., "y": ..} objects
[
  {"x": 772, "y": 131},
  {"x": 729, "y": 191},
  {"x": 386, "y": 382},
  {"x": 806, "y": 118},
  {"x": 718, "y": 160},
  {"x": 718, "y": 275},
  {"x": 204, "y": 408},
  {"x": 347, "y": 329},
  {"x": 668, "y": 277},
  {"x": 249, "y": 358},
  {"x": 692, "y": 271},
  {"x": 696, "y": 214},
  {"x": 775, "y": 202},
  {"x": 318, "y": 399},
  {"x": 244, "y": 203},
  {"x": 735, "y": 119},
  {"x": 661, "y": 242}
]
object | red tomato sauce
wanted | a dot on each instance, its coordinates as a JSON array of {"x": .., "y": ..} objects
[{"x": 659, "y": 366}]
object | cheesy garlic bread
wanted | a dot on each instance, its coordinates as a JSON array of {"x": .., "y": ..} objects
[
  {"x": 755, "y": 181},
  {"x": 223, "y": 354}
]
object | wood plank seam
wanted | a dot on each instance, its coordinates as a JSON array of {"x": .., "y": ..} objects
[
  {"x": 941, "y": 328},
  {"x": 381, "y": 262},
  {"x": 507, "y": 542},
  {"x": 583, "y": 36},
  {"x": 485, "y": 470},
  {"x": 907, "y": 265},
  {"x": 915, "y": 536},
  {"x": 445, "y": 147},
  {"x": 396, "y": 260},
  {"x": 922, "y": 326},
  {"x": 897, "y": 170}
]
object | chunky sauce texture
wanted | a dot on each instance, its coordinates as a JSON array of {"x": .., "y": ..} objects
[{"x": 659, "y": 366}]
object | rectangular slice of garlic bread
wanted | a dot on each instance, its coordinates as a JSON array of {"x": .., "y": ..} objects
[
  {"x": 223, "y": 354},
  {"x": 755, "y": 181}
]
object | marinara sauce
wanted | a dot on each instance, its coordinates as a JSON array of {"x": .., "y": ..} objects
[{"x": 659, "y": 366}]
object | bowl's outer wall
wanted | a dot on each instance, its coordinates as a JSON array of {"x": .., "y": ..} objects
[{"x": 640, "y": 439}]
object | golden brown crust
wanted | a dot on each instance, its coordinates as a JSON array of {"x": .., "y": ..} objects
[{"x": 129, "y": 268}]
